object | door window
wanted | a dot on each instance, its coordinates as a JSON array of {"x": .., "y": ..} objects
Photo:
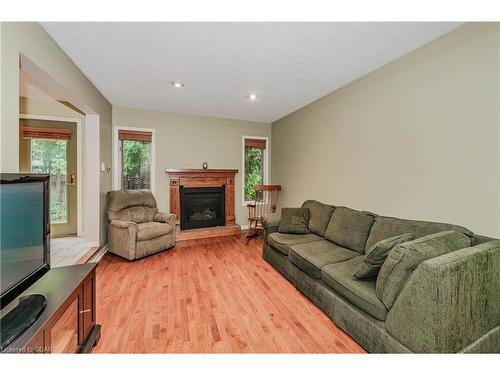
[{"x": 50, "y": 157}]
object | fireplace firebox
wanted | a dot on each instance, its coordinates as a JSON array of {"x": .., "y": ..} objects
[{"x": 202, "y": 207}]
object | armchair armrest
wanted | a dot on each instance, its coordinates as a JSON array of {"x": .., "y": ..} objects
[
  {"x": 123, "y": 224},
  {"x": 122, "y": 237},
  {"x": 163, "y": 217}
]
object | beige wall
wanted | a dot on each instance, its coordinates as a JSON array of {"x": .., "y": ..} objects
[
  {"x": 187, "y": 141},
  {"x": 36, "y": 106},
  {"x": 32, "y": 41},
  {"x": 418, "y": 138}
]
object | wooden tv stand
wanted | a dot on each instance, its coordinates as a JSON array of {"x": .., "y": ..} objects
[{"x": 68, "y": 322}]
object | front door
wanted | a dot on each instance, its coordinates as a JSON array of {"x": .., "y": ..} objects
[{"x": 58, "y": 158}]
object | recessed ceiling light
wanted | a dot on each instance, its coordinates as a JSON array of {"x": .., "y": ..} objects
[
  {"x": 177, "y": 84},
  {"x": 252, "y": 97}
]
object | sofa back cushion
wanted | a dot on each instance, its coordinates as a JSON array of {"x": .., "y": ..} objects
[
  {"x": 404, "y": 258},
  {"x": 294, "y": 221},
  {"x": 350, "y": 228},
  {"x": 385, "y": 227},
  {"x": 138, "y": 206},
  {"x": 319, "y": 216}
]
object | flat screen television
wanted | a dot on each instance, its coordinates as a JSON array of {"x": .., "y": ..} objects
[{"x": 24, "y": 232}]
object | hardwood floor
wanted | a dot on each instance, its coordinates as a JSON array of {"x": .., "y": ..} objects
[{"x": 214, "y": 295}]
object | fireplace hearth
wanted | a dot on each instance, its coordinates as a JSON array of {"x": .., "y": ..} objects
[{"x": 202, "y": 207}]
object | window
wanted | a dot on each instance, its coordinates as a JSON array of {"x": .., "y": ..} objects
[
  {"x": 134, "y": 159},
  {"x": 255, "y": 165},
  {"x": 49, "y": 155}
]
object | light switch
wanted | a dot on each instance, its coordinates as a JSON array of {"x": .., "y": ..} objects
[{"x": 103, "y": 167}]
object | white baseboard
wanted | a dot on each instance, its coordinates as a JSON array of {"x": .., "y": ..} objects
[{"x": 99, "y": 254}]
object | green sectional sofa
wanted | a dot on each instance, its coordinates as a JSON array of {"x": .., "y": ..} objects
[{"x": 449, "y": 303}]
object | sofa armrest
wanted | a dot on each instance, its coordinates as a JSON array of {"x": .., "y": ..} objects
[
  {"x": 449, "y": 301},
  {"x": 270, "y": 222},
  {"x": 163, "y": 217}
]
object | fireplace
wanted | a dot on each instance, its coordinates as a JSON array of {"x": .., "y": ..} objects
[
  {"x": 202, "y": 207},
  {"x": 187, "y": 181}
]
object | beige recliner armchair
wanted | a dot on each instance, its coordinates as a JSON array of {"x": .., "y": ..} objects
[{"x": 136, "y": 228}]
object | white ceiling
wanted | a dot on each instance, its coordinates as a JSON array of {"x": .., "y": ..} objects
[{"x": 288, "y": 65}]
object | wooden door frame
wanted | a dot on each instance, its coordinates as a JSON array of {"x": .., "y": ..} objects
[{"x": 79, "y": 193}]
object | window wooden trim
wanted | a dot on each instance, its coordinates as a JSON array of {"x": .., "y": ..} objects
[
  {"x": 134, "y": 135},
  {"x": 256, "y": 143},
  {"x": 116, "y": 170},
  {"x": 266, "y": 163},
  {"x": 46, "y": 133}
]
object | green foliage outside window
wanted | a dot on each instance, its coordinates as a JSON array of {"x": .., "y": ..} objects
[
  {"x": 50, "y": 157},
  {"x": 136, "y": 164},
  {"x": 254, "y": 170}
]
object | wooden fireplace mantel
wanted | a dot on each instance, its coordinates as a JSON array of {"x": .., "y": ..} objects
[
  {"x": 203, "y": 171},
  {"x": 204, "y": 178}
]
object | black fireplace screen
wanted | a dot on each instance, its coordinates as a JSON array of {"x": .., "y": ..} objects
[{"x": 202, "y": 207}]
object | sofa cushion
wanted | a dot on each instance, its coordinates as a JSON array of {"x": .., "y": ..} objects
[
  {"x": 404, "y": 258},
  {"x": 311, "y": 257},
  {"x": 147, "y": 231},
  {"x": 350, "y": 228},
  {"x": 294, "y": 221},
  {"x": 385, "y": 227},
  {"x": 319, "y": 216},
  {"x": 376, "y": 255},
  {"x": 283, "y": 241},
  {"x": 361, "y": 293}
]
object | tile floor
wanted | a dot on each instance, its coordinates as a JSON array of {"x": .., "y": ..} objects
[{"x": 66, "y": 251}]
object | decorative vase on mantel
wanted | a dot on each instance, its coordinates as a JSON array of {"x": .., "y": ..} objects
[{"x": 205, "y": 165}]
